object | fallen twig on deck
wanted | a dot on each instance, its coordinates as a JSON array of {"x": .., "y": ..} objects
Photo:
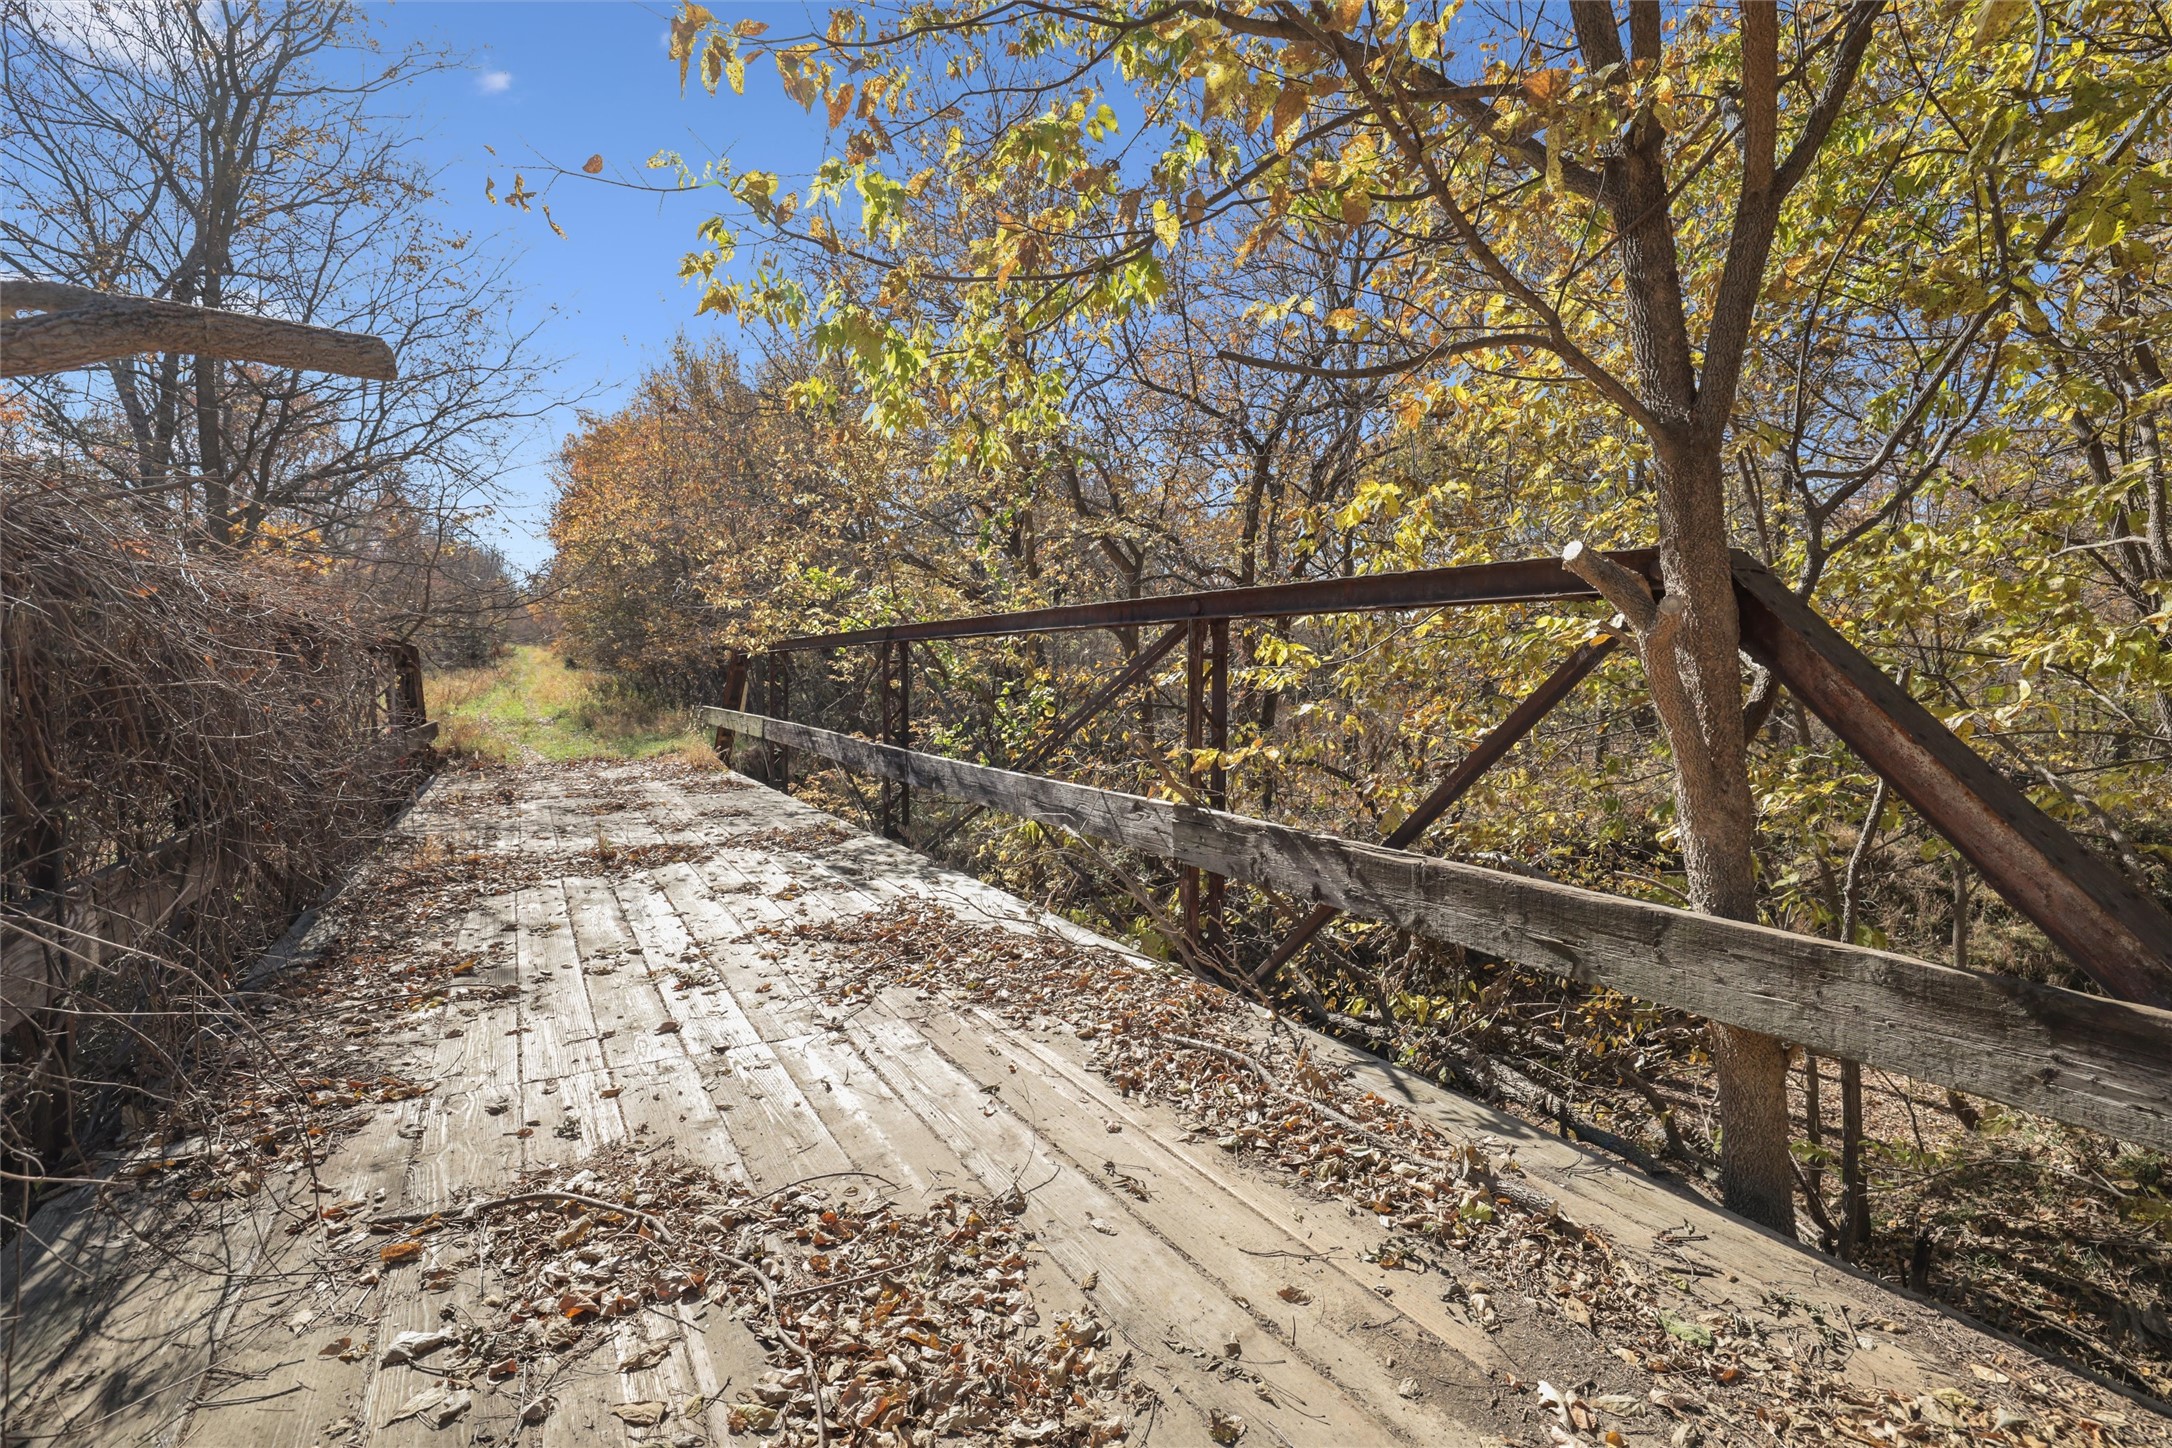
[
  {"x": 473, "y": 1210},
  {"x": 798, "y": 1345}
]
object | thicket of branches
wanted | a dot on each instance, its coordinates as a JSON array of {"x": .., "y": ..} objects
[{"x": 196, "y": 749}]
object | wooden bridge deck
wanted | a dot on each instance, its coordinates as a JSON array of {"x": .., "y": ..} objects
[{"x": 1253, "y": 1305}]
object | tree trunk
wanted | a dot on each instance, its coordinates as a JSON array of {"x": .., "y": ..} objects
[
  {"x": 1718, "y": 820},
  {"x": 211, "y": 455}
]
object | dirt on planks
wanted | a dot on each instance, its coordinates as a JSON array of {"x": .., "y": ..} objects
[{"x": 1489, "y": 1240}]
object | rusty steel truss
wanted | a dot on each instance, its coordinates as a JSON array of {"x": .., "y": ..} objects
[{"x": 2111, "y": 929}]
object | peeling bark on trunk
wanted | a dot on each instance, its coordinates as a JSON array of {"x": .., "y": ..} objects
[
  {"x": 1690, "y": 648},
  {"x": 1719, "y": 823}
]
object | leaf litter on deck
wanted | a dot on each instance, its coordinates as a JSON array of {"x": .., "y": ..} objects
[
  {"x": 1695, "y": 1370},
  {"x": 907, "y": 1324}
]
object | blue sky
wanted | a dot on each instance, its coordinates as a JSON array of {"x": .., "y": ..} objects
[{"x": 565, "y": 80}]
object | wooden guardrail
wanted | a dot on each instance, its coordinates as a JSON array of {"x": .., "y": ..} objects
[{"x": 2081, "y": 1059}]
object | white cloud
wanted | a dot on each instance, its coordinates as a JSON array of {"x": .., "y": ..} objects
[{"x": 494, "y": 82}]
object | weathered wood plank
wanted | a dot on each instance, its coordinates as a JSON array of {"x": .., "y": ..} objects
[
  {"x": 2076, "y": 1058},
  {"x": 459, "y": 1145},
  {"x": 1246, "y": 1238},
  {"x": 803, "y": 1060},
  {"x": 80, "y": 327}
]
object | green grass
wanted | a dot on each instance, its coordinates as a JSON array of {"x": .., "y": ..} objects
[{"x": 531, "y": 706}]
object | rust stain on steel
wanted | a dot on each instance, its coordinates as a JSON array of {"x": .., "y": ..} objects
[{"x": 1523, "y": 580}]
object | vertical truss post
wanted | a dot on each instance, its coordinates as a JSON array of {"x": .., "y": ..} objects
[
  {"x": 903, "y": 739},
  {"x": 893, "y": 695},
  {"x": 1195, "y": 734},
  {"x": 409, "y": 708},
  {"x": 1854, "y": 1190},
  {"x": 886, "y": 791},
  {"x": 1195, "y": 731},
  {"x": 1217, "y": 731},
  {"x": 735, "y": 697},
  {"x": 779, "y": 701}
]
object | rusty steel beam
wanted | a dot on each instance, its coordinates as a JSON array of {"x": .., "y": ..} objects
[
  {"x": 1488, "y": 752},
  {"x": 894, "y": 682},
  {"x": 778, "y": 695},
  {"x": 886, "y": 790},
  {"x": 1195, "y": 729},
  {"x": 2117, "y": 935},
  {"x": 1523, "y": 580},
  {"x": 1217, "y": 721},
  {"x": 903, "y": 738},
  {"x": 735, "y": 696}
]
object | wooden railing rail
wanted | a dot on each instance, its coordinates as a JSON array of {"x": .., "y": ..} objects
[{"x": 2077, "y": 1058}]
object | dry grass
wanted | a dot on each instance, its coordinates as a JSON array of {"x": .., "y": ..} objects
[{"x": 534, "y": 706}]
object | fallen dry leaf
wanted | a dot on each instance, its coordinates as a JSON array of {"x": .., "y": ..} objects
[
  {"x": 437, "y": 1406},
  {"x": 409, "y": 1346},
  {"x": 644, "y": 1355}
]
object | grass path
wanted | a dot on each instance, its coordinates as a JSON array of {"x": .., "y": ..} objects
[{"x": 532, "y": 705}]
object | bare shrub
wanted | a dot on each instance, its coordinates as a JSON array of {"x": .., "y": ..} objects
[{"x": 195, "y": 749}]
